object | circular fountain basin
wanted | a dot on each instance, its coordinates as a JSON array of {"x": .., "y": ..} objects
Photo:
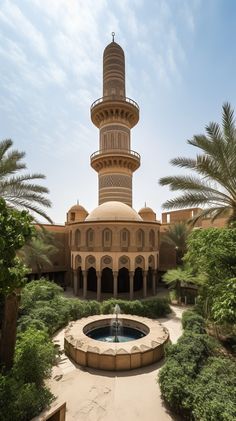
[
  {"x": 126, "y": 334},
  {"x": 95, "y": 352}
]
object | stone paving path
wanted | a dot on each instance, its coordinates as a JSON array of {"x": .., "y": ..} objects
[{"x": 93, "y": 395}]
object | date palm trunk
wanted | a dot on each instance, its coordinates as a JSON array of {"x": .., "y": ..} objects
[{"x": 8, "y": 333}]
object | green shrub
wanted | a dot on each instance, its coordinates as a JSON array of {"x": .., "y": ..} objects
[
  {"x": 193, "y": 322},
  {"x": 215, "y": 390},
  {"x": 176, "y": 385},
  {"x": 34, "y": 356},
  {"x": 153, "y": 308},
  {"x": 156, "y": 307},
  {"x": 41, "y": 290},
  {"x": 27, "y": 322},
  {"x": 79, "y": 308},
  {"x": 184, "y": 361},
  {"x": 48, "y": 316},
  {"x": 21, "y": 401},
  {"x": 92, "y": 307}
]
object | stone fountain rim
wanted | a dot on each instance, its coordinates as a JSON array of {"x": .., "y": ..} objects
[{"x": 75, "y": 336}]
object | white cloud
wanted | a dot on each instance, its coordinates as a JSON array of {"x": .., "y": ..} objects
[{"x": 13, "y": 16}]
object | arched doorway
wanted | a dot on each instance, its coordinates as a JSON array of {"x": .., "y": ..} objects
[
  {"x": 138, "y": 279},
  {"x": 107, "y": 280},
  {"x": 92, "y": 279},
  {"x": 123, "y": 280}
]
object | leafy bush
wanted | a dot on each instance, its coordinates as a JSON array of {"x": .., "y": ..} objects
[
  {"x": 153, "y": 308},
  {"x": 215, "y": 390},
  {"x": 22, "y": 401},
  {"x": 34, "y": 357},
  {"x": 35, "y": 291},
  {"x": 176, "y": 385},
  {"x": 184, "y": 361},
  {"x": 193, "y": 322},
  {"x": 27, "y": 322},
  {"x": 195, "y": 383},
  {"x": 156, "y": 307}
]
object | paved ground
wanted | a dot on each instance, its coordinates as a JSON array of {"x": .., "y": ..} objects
[{"x": 93, "y": 395}]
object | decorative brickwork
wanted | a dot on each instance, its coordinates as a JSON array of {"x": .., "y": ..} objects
[{"x": 115, "y": 180}]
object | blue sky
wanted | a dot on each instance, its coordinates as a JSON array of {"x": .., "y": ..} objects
[{"x": 180, "y": 68}]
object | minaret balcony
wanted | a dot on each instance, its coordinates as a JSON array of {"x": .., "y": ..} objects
[
  {"x": 113, "y": 108},
  {"x": 106, "y": 158}
]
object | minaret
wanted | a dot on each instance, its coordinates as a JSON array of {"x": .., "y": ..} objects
[{"x": 114, "y": 115}]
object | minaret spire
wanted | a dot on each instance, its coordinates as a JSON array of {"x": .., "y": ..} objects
[
  {"x": 114, "y": 115},
  {"x": 113, "y": 36}
]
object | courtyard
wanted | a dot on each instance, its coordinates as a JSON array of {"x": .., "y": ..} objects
[{"x": 93, "y": 395}]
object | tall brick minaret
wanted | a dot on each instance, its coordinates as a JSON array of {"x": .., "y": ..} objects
[{"x": 114, "y": 115}]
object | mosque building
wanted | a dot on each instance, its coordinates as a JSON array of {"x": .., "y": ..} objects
[{"x": 114, "y": 249}]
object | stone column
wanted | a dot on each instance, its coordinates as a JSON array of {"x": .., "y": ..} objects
[
  {"x": 75, "y": 283},
  {"x": 131, "y": 285},
  {"x": 154, "y": 282},
  {"x": 85, "y": 284},
  {"x": 115, "y": 284},
  {"x": 145, "y": 280},
  {"x": 99, "y": 286}
]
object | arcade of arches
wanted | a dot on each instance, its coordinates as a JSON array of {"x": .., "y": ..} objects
[{"x": 142, "y": 277}]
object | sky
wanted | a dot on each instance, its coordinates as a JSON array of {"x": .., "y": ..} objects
[{"x": 180, "y": 68}]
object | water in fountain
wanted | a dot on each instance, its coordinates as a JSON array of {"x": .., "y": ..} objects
[{"x": 116, "y": 324}]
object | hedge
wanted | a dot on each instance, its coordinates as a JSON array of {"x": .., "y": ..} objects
[
  {"x": 153, "y": 308},
  {"x": 194, "y": 382}
]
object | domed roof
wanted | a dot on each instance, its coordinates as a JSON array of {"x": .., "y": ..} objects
[
  {"x": 146, "y": 210},
  {"x": 147, "y": 214},
  {"x": 78, "y": 208},
  {"x": 113, "y": 211}
]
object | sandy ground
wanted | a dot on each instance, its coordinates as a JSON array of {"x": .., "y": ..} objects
[{"x": 93, "y": 395}]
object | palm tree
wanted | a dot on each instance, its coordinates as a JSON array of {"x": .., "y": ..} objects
[
  {"x": 176, "y": 236},
  {"x": 19, "y": 191},
  {"x": 214, "y": 185},
  {"x": 38, "y": 253}
]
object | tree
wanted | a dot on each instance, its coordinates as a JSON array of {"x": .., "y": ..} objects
[
  {"x": 19, "y": 191},
  {"x": 15, "y": 230},
  {"x": 175, "y": 278},
  {"x": 214, "y": 185},
  {"x": 212, "y": 254},
  {"x": 38, "y": 252},
  {"x": 177, "y": 236}
]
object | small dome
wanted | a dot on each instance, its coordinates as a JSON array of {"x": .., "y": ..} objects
[
  {"x": 76, "y": 213},
  {"x": 147, "y": 214},
  {"x": 113, "y": 211},
  {"x": 77, "y": 208}
]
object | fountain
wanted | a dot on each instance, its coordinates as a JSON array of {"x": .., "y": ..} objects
[
  {"x": 116, "y": 326},
  {"x": 111, "y": 342}
]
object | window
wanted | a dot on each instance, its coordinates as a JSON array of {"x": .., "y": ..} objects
[
  {"x": 77, "y": 238},
  {"x": 107, "y": 238},
  {"x": 124, "y": 238},
  {"x": 168, "y": 218},
  {"x": 90, "y": 237},
  {"x": 140, "y": 238},
  {"x": 152, "y": 238},
  {"x": 72, "y": 216}
]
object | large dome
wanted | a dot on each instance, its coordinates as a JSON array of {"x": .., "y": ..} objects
[{"x": 113, "y": 211}]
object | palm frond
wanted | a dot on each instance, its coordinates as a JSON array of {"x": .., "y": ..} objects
[
  {"x": 215, "y": 184},
  {"x": 228, "y": 123},
  {"x": 19, "y": 190}
]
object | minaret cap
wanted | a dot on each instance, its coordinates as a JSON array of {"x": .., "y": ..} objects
[{"x": 113, "y": 70}]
